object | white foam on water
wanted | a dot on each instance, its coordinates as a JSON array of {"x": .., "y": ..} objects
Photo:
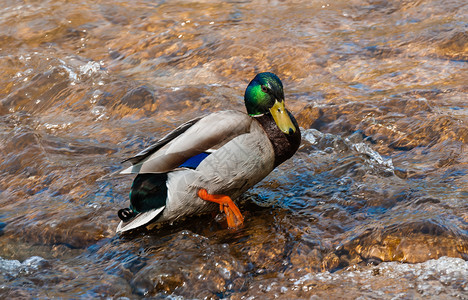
[
  {"x": 13, "y": 267},
  {"x": 9, "y": 266},
  {"x": 446, "y": 275},
  {"x": 90, "y": 68},
  {"x": 374, "y": 155},
  {"x": 311, "y": 135}
]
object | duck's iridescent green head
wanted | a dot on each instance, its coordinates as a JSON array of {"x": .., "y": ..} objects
[{"x": 264, "y": 95}]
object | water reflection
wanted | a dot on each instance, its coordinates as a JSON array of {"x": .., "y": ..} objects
[{"x": 381, "y": 177}]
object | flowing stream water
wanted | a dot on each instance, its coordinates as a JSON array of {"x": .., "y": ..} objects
[{"x": 373, "y": 205}]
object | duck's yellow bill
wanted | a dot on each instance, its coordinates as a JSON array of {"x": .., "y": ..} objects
[{"x": 282, "y": 118}]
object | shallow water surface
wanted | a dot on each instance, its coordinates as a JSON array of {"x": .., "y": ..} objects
[{"x": 373, "y": 205}]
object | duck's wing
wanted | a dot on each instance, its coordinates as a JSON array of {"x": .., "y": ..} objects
[
  {"x": 161, "y": 142},
  {"x": 189, "y": 140}
]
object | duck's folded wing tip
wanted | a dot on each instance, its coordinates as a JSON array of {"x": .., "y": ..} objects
[{"x": 135, "y": 169}]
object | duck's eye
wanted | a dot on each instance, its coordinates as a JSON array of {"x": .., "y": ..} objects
[{"x": 264, "y": 89}]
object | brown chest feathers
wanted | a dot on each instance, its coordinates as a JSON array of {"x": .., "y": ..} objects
[{"x": 284, "y": 145}]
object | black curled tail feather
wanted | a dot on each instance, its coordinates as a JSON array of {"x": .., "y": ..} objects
[{"x": 125, "y": 214}]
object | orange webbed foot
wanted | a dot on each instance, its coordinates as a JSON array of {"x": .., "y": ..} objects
[{"x": 233, "y": 215}]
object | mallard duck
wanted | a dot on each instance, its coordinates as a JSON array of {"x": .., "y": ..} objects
[{"x": 211, "y": 160}]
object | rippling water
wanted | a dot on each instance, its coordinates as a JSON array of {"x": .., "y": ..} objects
[{"x": 380, "y": 179}]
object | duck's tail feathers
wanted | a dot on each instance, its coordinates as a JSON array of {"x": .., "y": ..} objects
[{"x": 139, "y": 220}]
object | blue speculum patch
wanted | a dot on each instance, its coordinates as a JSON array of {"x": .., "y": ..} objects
[{"x": 194, "y": 161}]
